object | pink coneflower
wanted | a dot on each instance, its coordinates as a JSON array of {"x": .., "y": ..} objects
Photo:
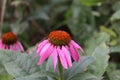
[
  {"x": 60, "y": 46},
  {"x": 9, "y": 41}
]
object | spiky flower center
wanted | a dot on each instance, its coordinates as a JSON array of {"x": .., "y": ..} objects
[
  {"x": 9, "y": 38},
  {"x": 59, "y": 37}
]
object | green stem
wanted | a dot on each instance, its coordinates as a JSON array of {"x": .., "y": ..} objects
[{"x": 60, "y": 70}]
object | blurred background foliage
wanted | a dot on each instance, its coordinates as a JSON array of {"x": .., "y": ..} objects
[{"x": 32, "y": 20}]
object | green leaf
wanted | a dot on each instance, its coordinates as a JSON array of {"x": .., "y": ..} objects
[
  {"x": 91, "y": 2},
  {"x": 6, "y": 77},
  {"x": 115, "y": 48},
  {"x": 116, "y": 28},
  {"x": 116, "y": 5},
  {"x": 79, "y": 67},
  {"x": 22, "y": 66},
  {"x": 114, "y": 75},
  {"x": 109, "y": 31},
  {"x": 115, "y": 16},
  {"x": 50, "y": 69},
  {"x": 81, "y": 21},
  {"x": 3, "y": 73},
  {"x": 97, "y": 48},
  {"x": 112, "y": 71},
  {"x": 84, "y": 76}
]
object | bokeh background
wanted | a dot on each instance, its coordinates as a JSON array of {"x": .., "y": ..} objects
[{"x": 32, "y": 20}]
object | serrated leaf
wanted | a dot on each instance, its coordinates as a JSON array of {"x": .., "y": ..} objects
[
  {"x": 22, "y": 66},
  {"x": 112, "y": 71},
  {"x": 93, "y": 43},
  {"x": 114, "y": 75},
  {"x": 3, "y": 73},
  {"x": 97, "y": 48},
  {"x": 115, "y": 49},
  {"x": 79, "y": 67},
  {"x": 84, "y": 76}
]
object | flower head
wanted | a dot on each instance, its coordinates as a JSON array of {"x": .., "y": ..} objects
[
  {"x": 10, "y": 41},
  {"x": 60, "y": 46}
]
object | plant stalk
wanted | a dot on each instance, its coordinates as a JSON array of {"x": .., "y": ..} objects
[{"x": 60, "y": 70}]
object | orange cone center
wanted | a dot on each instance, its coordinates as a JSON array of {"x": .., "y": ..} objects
[
  {"x": 9, "y": 38},
  {"x": 59, "y": 37}
]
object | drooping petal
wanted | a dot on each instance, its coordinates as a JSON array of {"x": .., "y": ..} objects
[
  {"x": 20, "y": 46},
  {"x": 43, "y": 43},
  {"x": 62, "y": 58},
  {"x": 42, "y": 51},
  {"x": 16, "y": 47},
  {"x": 46, "y": 54},
  {"x": 3, "y": 46},
  {"x": 67, "y": 56},
  {"x": 11, "y": 47},
  {"x": 76, "y": 45},
  {"x": 6, "y": 46},
  {"x": 74, "y": 53},
  {"x": 54, "y": 58},
  {"x": 0, "y": 44},
  {"x": 40, "y": 47}
]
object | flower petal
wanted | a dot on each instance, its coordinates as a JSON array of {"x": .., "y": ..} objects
[
  {"x": 11, "y": 47},
  {"x": 74, "y": 53},
  {"x": 46, "y": 54},
  {"x": 42, "y": 50},
  {"x": 67, "y": 56},
  {"x": 76, "y": 45},
  {"x": 43, "y": 43},
  {"x": 54, "y": 57},
  {"x": 6, "y": 46},
  {"x": 16, "y": 47},
  {"x": 40, "y": 46},
  {"x": 20, "y": 46},
  {"x": 0, "y": 44},
  {"x": 62, "y": 58}
]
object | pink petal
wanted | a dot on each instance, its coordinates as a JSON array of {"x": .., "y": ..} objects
[
  {"x": 54, "y": 58},
  {"x": 3, "y": 46},
  {"x": 46, "y": 55},
  {"x": 42, "y": 43},
  {"x": 76, "y": 45},
  {"x": 20, "y": 46},
  {"x": 16, "y": 47},
  {"x": 74, "y": 53},
  {"x": 62, "y": 58},
  {"x": 11, "y": 47},
  {"x": 67, "y": 47},
  {"x": 44, "y": 49},
  {"x": 67, "y": 56},
  {"x": 6, "y": 47},
  {"x": 0, "y": 43},
  {"x": 40, "y": 46}
]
